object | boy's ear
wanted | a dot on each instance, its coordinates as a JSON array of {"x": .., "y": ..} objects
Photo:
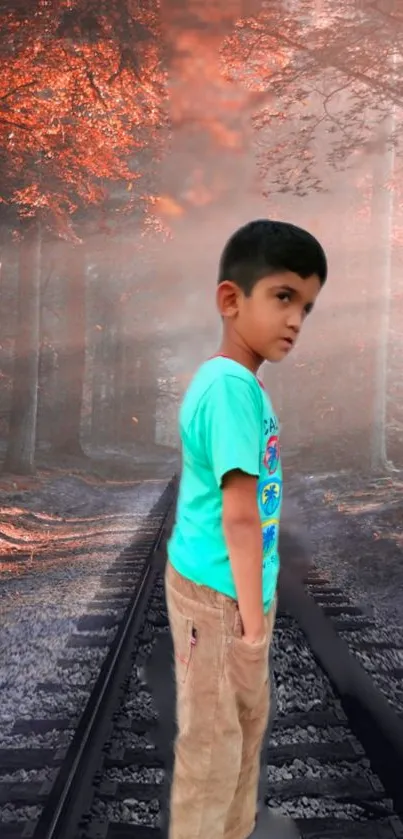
[{"x": 227, "y": 298}]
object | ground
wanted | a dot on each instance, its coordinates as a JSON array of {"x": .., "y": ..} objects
[
  {"x": 355, "y": 521},
  {"x": 356, "y": 525},
  {"x": 58, "y": 511}
]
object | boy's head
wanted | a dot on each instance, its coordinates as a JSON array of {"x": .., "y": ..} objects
[{"x": 270, "y": 274}]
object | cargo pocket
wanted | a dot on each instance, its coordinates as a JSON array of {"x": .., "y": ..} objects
[{"x": 184, "y": 637}]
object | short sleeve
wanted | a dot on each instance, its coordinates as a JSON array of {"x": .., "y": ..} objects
[{"x": 231, "y": 426}]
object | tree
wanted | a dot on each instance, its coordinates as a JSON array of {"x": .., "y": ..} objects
[
  {"x": 336, "y": 69},
  {"x": 23, "y": 416},
  {"x": 73, "y": 112},
  {"x": 382, "y": 208},
  {"x": 71, "y": 360}
]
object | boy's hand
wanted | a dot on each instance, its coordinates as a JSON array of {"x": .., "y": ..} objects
[
  {"x": 243, "y": 535},
  {"x": 253, "y": 639}
]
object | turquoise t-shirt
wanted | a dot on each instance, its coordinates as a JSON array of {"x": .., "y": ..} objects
[{"x": 226, "y": 422}]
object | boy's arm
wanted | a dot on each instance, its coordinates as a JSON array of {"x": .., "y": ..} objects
[
  {"x": 231, "y": 428},
  {"x": 243, "y": 534}
]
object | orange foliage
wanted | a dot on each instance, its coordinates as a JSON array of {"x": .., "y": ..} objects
[
  {"x": 168, "y": 206},
  {"x": 207, "y": 110},
  {"x": 73, "y": 111},
  {"x": 200, "y": 94},
  {"x": 324, "y": 76}
]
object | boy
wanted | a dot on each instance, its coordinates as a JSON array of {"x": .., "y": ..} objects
[{"x": 223, "y": 563}]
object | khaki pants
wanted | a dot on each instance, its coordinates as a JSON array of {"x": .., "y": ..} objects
[{"x": 222, "y": 705}]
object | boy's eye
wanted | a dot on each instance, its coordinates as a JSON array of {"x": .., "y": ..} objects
[{"x": 284, "y": 295}]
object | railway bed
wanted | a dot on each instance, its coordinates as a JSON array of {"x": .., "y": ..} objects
[{"x": 335, "y": 758}]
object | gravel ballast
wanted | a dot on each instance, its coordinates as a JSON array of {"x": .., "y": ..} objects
[
  {"x": 301, "y": 685},
  {"x": 40, "y": 611},
  {"x": 344, "y": 514}
]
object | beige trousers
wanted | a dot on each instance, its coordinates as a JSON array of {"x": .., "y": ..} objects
[{"x": 222, "y": 705}]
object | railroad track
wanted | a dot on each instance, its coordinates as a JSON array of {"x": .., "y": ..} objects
[
  {"x": 40, "y": 784},
  {"x": 380, "y": 652},
  {"x": 347, "y": 649},
  {"x": 335, "y": 758}
]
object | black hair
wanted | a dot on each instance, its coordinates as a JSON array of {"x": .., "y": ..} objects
[{"x": 264, "y": 247}]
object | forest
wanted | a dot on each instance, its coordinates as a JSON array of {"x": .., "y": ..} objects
[{"x": 134, "y": 135}]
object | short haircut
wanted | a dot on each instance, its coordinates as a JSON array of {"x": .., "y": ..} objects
[{"x": 262, "y": 248}]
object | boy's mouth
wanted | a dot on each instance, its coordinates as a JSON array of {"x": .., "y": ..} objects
[{"x": 289, "y": 342}]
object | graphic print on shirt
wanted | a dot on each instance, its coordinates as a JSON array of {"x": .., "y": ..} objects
[
  {"x": 269, "y": 531},
  {"x": 269, "y": 496},
  {"x": 270, "y": 426},
  {"x": 272, "y": 454}
]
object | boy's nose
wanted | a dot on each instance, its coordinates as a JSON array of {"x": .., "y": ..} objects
[{"x": 294, "y": 320}]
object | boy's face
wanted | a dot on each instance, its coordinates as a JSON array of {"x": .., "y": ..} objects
[{"x": 269, "y": 321}]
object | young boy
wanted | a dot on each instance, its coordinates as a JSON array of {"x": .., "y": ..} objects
[{"x": 223, "y": 559}]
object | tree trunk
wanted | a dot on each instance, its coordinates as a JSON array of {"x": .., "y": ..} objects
[
  {"x": 120, "y": 382},
  {"x": 145, "y": 408},
  {"x": 67, "y": 431},
  {"x": 382, "y": 220},
  {"x": 20, "y": 456},
  {"x": 98, "y": 436}
]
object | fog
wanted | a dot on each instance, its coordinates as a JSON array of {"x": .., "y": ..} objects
[{"x": 288, "y": 110}]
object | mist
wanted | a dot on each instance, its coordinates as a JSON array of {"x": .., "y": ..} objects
[{"x": 246, "y": 110}]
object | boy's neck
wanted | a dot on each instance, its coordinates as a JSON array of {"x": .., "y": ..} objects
[{"x": 243, "y": 355}]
